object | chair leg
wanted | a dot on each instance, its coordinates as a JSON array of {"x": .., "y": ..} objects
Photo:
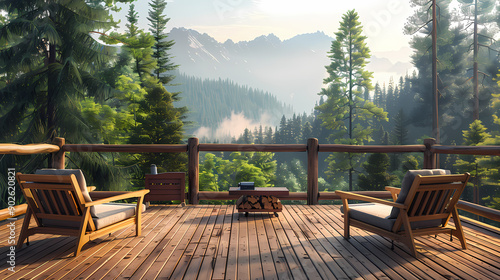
[
  {"x": 138, "y": 216},
  {"x": 408, "y": 237},
  {"x": 83, "y": 228},
  {"x": 459, "y": 232},
  {"x": 347, "y": 233},
  {"x": 24, "y": 230}
]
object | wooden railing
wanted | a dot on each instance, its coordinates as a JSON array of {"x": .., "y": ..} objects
[{"x": 429, "y": 149}]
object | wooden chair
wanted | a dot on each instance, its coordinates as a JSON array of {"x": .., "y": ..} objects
[
  {"x": 166, "y": 186},
  {"x": 422, "y": 206},
  {"x": 60, "y": 204}
]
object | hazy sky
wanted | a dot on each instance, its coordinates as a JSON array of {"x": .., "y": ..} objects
[{"x": 239, "y": 20}]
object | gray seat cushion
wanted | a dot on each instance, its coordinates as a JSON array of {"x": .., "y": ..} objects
[
  {"x": 379, "y": 215},
  {"x": 111, "y": 213},
  {"x": 372, "y": 213},
  {"x": 106, "y": 214}
]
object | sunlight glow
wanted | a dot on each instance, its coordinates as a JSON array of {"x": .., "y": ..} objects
[{"x": 295, "y": 7}]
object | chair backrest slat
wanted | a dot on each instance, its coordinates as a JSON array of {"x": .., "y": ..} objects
[
  {"x": 72, "y": 203},
  {"x": 425, "y": 204},
  {"x": 55, "y": 202},
  {"x": 39, "y": 206},
  {"x": 64, "y": 203},
  {"x": 415, "y": 206}
]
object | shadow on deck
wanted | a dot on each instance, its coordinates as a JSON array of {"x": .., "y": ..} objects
[{"x": 209, "y": 242}]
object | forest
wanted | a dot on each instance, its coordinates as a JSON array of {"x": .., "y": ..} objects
[
  {"x": 210, "y": 101},
  {"x": 66, "y": 73}
]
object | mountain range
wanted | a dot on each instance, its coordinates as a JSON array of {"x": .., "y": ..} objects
[{"x": 293, "y": 70}]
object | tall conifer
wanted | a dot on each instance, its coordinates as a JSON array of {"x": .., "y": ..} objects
[
  {"x": 345, "y": 111},
  {"x": 157, "y": 24}
]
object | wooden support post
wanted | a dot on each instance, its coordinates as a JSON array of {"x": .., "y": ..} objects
[
  {"x": 312, "y": 171},
  {"x": 58, "y": 158},
  {"x": 429, "y": 156},
  {"x": 193, "y": 170}
]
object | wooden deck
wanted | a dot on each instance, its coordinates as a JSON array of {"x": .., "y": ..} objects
[{"x": 209, "y": 242}]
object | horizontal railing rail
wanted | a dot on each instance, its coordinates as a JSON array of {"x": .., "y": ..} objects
[{"x": 429, "y": 149}]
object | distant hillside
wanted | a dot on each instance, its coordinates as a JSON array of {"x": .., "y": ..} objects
[
  {"x": 213, "y": 103},
  {"x": 293, "y": 70}
]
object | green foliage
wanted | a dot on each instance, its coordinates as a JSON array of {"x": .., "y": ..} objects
[
  {"x": 50, "y": 60},
  {"x": 376, "y": 177},
  {"x": 476, "y": 135},
  {"x": 219, "y": 174}
]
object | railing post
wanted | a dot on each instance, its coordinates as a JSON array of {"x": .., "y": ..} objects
[
  {"x": 58, "y": 158},
  {"x": 429, "y": 156},
  {"x": 193, "y": 170},
  {"x": 312, "y": 171}
]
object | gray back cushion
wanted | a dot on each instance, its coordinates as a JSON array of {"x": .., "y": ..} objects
[{"x": 408, "y": 181}]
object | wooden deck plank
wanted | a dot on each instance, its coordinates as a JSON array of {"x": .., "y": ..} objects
[
  {"x": 337, "y": 264},
  {"x": 113, "y": 244},
  {"x": 288, "y": 252},
  {"x": 188, "y": 254},
  {"x": 142, "y": 264},
  {"x": 210, "y": 256},
  {"x": 280, "y": 263},
  {"x": 256, "y": 261},
  {"x": 232, "y": 251},
  {"x": 209, "y": 242},
  {"x": 58, "y": 262},
  {"x": 317, "y": 255},
  {"x": 269, "y": 271},
  {"x": 134, "y": 258},
  {"x": 200, "y": 248},
  {"x": 404, "y": 267},
  {"x": 222, "y": 254},
  {"x": 435, "y": 263},
  {"x": 117, "y": 263},
  {"x": 357, "y": 260},
  {"x": 243, "y": 263},
  {"x": 304, "y": 259},
  {"x": 165, "y": 264}
]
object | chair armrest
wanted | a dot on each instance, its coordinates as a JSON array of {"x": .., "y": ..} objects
[
  {"x": 354, "y": 196},
  {"x": 394, "y": 192},
  {"x": 91, "y": 188},
  {"x": 125, "y": 195}
]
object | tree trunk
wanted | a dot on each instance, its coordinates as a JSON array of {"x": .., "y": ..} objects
[
  {"x": 475, "y": 114},
  {"x": 435, "y": 114},
  {"x": 51, "y": 97}
]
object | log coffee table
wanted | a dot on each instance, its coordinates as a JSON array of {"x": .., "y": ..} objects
[{"x": 259, "y": 199}]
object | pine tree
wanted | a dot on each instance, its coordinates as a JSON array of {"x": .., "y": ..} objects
[
  {"x": 480, "y": 14},
  {"x": 476, "y": 135},
  {"x": 157, "y": 24},
  {"x": 159, "y": 123},
  {"x": 450, "y": 68},
  {"x": 345, "y": 111},
  {"x": 376, "y": 177},
  {"x": 53, "y": 64},
  {"x": 50, "y": 58}
]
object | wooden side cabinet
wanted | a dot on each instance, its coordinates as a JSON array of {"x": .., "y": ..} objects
[{"x": 166, "y": 186}]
